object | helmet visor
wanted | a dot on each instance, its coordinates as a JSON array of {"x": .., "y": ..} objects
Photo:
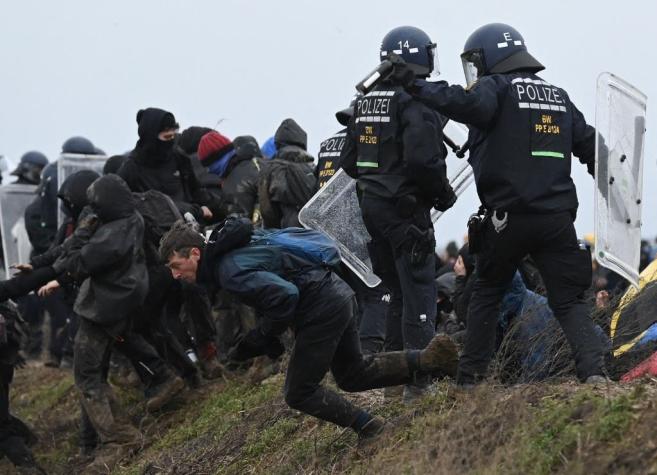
[
  {"x": 472, "y": 66},
  {"x": 435, "y": 64}
]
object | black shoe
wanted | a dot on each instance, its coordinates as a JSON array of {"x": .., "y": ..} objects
[{"x": 371, "y": 431}]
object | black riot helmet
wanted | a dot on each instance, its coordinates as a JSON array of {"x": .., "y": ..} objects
[
  {"x": 414, "y": 46},
  {"x": 79, "y": 145},
  {"x": 30, "y": 167},
  {"x": 343, "y": 116},
  {"x": 496, "y": 48}
]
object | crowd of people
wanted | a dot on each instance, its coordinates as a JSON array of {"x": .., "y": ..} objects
[{"x": 167, "y": 269}]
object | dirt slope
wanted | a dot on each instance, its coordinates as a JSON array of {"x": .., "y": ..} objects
[{"x": 238, "y": 428}]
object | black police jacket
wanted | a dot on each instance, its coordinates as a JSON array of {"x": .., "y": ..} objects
[
  {"x": 394, "y": 146},
  {"x": 328, "y": 158},
  {"x": 523, "y": 131}
]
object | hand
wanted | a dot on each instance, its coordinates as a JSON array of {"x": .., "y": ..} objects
[
  {"x": 48, "y": 289},
  {"x": 255, "y": 344},
  {"x": 22, "y": 267},
  {"x": 459, "y": 267},
  {"x": 402, "y": 74},
  {"x": 602, "y": 299},
  {"x": 207, "y": 214},
  {"x": 446, "y": 201}
]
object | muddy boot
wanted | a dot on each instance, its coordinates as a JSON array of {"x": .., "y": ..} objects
[
  {"x": 164, "y": 393},
  {"x": 208, "y": 361},
  {"x": 262, "y": 368},
  {"x": 440, "y": 357},
  {"x": 372, "y": 431},
  {"x": 211, "y": 368}
]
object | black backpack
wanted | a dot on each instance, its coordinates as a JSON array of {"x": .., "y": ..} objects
[{"x": 159, "y": 213}]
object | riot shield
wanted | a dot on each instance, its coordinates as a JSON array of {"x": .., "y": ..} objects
[
  {"x": 335, "y": 211},
  {"x": 620, "y": 123},
  {"x": 15, "y": 242},
  {"x": 70, "y": 163}
]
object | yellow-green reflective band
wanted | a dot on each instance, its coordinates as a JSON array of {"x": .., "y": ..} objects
[
  {"x": 367, "y": 164},
  {"x": 547, "y": 154}
]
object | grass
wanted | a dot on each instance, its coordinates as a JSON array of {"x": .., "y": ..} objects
[{"x": 237, "y": 428}]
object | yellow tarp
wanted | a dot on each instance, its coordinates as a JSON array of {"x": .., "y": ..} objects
[{"x": 648, "y": 275}]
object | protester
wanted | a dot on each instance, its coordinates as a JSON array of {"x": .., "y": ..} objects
[
  {"x": 288, "y": 291},
  {"x": 287, "y": 181}
]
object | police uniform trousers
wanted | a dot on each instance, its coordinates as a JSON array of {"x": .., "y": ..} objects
[
  {"x": 551, "y": 240},
  {"x": 406, "y": 264}
]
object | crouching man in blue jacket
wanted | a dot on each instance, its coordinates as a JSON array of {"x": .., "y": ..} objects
[{"x": 290, "y": 292}]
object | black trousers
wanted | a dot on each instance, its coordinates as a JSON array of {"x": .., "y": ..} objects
[
  {"x": 411, "y": 317},
  {"x": 373, "y": 304},
  {"x": 330, "y": 341},
  {"x": 566, "y": 270},
  {"x": 14, "y": 435}
]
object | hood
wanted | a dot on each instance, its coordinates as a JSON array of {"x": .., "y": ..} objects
[
  {"x": 445, "y": 285},
  {"x": 246, "y": 146},
  {"x": 150, "y": 150},
  {"x": 110, "y": 198},
  {"x": 290, "y": 133},
  {"x": 234, "y": 232},
  {"x": 220, "y": 167},
  {"x": 269, "y": 148},
  {"x": 73, "y": 191},
  {"x": 114, "y": 164},
  {"x": 191, "y": 137}
]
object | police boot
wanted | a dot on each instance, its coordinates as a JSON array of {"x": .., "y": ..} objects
[
  {"x": 440, "y": 357},
  {"x": 372, "y": 431}
]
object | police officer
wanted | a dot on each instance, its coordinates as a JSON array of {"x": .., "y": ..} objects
[
  {"x": 372, "y": 302},
  {"x": 523, "y": 131},
  {"x": 29, "y": 168},
  {"x": 394, "y": 148},
  {"x": 328, "y": 158}
]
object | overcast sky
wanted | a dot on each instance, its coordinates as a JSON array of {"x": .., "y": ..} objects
[{"x": 74, "y": 67}]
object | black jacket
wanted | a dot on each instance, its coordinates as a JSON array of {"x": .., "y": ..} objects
[
  {"x": 394, "y": 146},
  {"x": 523, "y": 131},
  {"x": 110, "y": 262},
  {"x": 161, "y": 166},
  {"x": 41, "y": 214},
  {"x": 240, "y": 185},
  {"x": 285, "y": 290},
  {"x": 287, "y": 181}
]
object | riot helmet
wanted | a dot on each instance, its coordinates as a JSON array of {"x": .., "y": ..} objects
[
  {"x": 415, "y": 47},
  {"x": 79, "y": 145},
  {"x": 496, "y": 48},
  {"x": 343, "y": 116},
  {"x": 30, "y": 167}
]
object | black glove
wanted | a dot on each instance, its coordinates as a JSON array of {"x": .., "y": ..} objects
[
  {"x": 446, "y": 200},
  {"x": 402, "y": 74},
  {"x": 255, "y": 344}
]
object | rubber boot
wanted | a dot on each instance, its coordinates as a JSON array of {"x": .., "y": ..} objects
[{"x": 440, "y": 357}]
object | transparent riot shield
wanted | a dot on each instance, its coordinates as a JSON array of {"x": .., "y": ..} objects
[
  {"x": 70, "y": 163},
  {"x": 335, "y": 211},
  {"x": 620, "y": 123},
  {"x": 15, "y": 242}
]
